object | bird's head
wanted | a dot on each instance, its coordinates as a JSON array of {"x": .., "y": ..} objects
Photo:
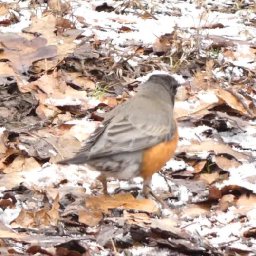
[{"x": 168, "y": 82}]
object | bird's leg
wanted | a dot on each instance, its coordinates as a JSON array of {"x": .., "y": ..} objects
[
  {"x": 147, "y": 191},
  {"x": 102, "y": 178}
]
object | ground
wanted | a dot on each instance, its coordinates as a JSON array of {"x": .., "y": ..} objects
[{"x": 65, "y": 64}]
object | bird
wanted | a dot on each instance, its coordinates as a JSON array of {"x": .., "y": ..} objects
[{"x": 137, "y": 137}]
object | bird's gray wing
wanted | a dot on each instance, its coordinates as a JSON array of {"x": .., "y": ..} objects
[{"x": 143, "y": 122}]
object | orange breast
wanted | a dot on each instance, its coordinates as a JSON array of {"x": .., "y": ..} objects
[{"x": 155, "y": 157}]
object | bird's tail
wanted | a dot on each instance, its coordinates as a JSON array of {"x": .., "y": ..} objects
[{"x": 74, "y": 160}]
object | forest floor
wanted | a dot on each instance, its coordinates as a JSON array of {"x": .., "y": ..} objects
[{"x": 64, "y": 64}]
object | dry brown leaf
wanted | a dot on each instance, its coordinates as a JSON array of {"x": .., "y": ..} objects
[
  {"x": 54, "y": 5},
  {"x": 47, "y": 142},
  {"x": 217, "y": 147},
  {"x": 226, "y": 201},
  {"x": 12, "y": 179},
  {"x": 137, "y": 218},
  {"x": 231, "y": 101},
  {"x": 198, "y": 167},
  {"x": 3, "y": 148},
  {"x": 195, "y": 210},
  {"x": 30, "y": 218},
  {"x": 236, "y": 188},
  {"x": 110, "y": 101},
  {"x": 90, "y": 217},
  {"x": 46, "y": 26},
  {"x": 21, "y": 163},
  {"x": 198, "y": 105},
  {"x": 229, "y": 54},
  {"x": 209, "y": 178},
  {"x": 79, "y": 132},
  {"x": 51, "y": 192},
  {"x": 213, "y": 26},
  {"x": 181, "y": 113},
  {"x": 201, "y": 81},
  {"x": 214, "y": 193},
  {"x": 4, "y": 9},
  {"x": 79, "y": 80},
  {"x": 251, "y": 232},
  {"x": 182, "y": 93},
  {"x": 5, "y": 203},
  {"x": 125, "y": 29},
  {"x": 6, "y": 70},
  {"x": 144, "y": 220},
  {"x": 60, "y": 144},
  {"x": 62, "y": 118},
  {"x": 166, "y": 225},
  {"x": 6, "y": 232},
  {"x": 245, "y": 53},
  {"x": 163, "y": 43},
  {"x": 38, "y": 218},
  {"x": 53, "y": 91},
  {"x": 63, "y": 24},
  {"x": 123, "y": 20},
  {"x": 47, "y": 112},
  {"x": 53, "y": 214},
  {"x": 246, "y": 203},
  {"x": 125, "y": 201},
  {"x": 22, "y": 52},
  {"x": 146, "y": 15},
  {"x": 209, "y": 66},
  {"x": 50, "y": 85},
  {"x": 225, "y": 163},
  {"x": 42, "y": 65}
]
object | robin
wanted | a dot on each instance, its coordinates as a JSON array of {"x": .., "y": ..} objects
[{"x": 137, "y": 137}]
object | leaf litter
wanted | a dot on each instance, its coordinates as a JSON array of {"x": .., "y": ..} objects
[{"x": 65, "y": 64}]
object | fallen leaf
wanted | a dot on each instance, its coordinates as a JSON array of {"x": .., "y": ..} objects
[
  {"x": 110, "y": 101},
  {"x": 125, "y": 29},
  {"x": 136, "y": 218},
  {"x": 6, "y": 70},
  {"x": 231, "y": 101},
  {"x": 53, "y": 213},
  {"x": 214, "y": 193},
  {"x": 38, "y": 218},
  {"x": 52, "y": 90},
  {"x": 213, "y": 146},
  {"x": 8, "y": 233},
  {"x": 22, "y": 52},
  {"x": 4, "y": 9},
  {"x": 195, "y": 210},
  {"x": 3, "y": 148},
  {"x": 125, "y": 201},
  {"x": 90, "y": 217},
  {"x": 21, "y": 163},
  {"x": 246, "y": 203},
  {"x": 209, "y": 177},
  {"x": 226, "y": 201},
  {"x": 251, "y": 232},
  {"x": 225, "y": 163},
  {"x": 203, "y": 101},
  {"x": 54, "y": 5},
  {"x": 198, "y": 167},
  {"x": 47, "y": 112},
  {"x": 163, "y": 43},
  {"x": 46, "y": 26},
  {"x": 75, "y": 78}
]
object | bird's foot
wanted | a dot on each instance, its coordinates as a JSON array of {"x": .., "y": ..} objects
[
  {"x": 102, "y": 178},
  {"x": 147, "y": 192},
  {"x": 134, "y": 190}
]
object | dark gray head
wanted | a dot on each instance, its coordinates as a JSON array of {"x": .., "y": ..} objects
[{"x": 167, "y": 81}]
